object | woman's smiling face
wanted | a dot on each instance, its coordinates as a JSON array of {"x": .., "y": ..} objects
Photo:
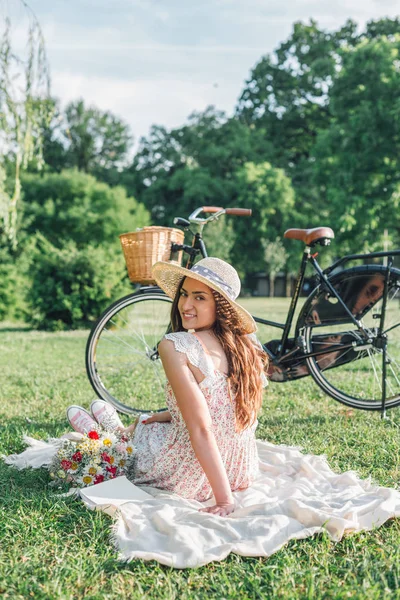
[{"x": 196, "y": 305}]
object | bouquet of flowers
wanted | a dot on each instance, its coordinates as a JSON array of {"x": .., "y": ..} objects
[{"x": 100, "y": 455}]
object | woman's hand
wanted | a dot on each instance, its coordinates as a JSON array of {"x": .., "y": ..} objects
[
  {"x": 223, "y": 509},
  {"x": 130, "y": 429},
  {"x": 160, "y": 417}
]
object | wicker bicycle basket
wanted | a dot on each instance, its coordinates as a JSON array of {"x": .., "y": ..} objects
[{"x": 147, "y": 246}]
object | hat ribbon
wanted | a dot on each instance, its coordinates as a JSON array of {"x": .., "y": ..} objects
[{"x": 213, "y": 277}]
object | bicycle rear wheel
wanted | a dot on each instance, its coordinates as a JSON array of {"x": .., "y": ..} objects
[
  {"x": 348, "y": 365},
  {"x": 122, "y": 361}
]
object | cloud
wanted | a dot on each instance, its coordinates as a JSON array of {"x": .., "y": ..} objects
[
  {"x": 151, "y": 61},
  {"x": 142, "y": 103}
]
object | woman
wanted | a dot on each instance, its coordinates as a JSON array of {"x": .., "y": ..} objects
[{"x": 204, "y": 444}]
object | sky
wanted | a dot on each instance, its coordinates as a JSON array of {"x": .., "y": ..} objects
[{"x": 155, "y": 62}]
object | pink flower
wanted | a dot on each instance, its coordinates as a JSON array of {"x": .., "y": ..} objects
[
  {"x": 66, "y": 464},
  {"x": 99, "y": 479}
]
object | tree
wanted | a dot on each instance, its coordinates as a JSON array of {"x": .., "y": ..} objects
[
  {"x": 357, "y": 165},
  {"x": 287, "y": 94},
  {"x": 74, "y": 206},
  {"x": 219, "y": 237},
  {"x": 53, "y": 146},
  {"x": 275, "y": 258},
  {"x": 24, "y": 90},
  {"x": 268, "y": 192},
  {"x": 176, "y": 171},
  {"x": 71, "y": 286},
  {"x": 96, "y": 141},
  {"x": 287, "y": 100}
]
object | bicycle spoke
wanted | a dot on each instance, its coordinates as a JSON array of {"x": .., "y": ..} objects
[
  {"x": 374, "y": 366},
  {"x": 392, "y": 328},
  {"x": 394, "y": 375},
  {"x": 352, "y": 375},
  {"x": 141, "y": 337},
  {"x": 126, "y": 361},
  {"x": 121, "y": 340}
]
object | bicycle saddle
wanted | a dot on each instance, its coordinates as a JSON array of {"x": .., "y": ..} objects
[{"x": 318, "y": 235}]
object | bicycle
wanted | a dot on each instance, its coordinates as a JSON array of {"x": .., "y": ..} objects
[{"x": 347, "y": 334}]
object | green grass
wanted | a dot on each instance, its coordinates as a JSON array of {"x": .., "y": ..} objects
[{"x": 55, "y": 548}]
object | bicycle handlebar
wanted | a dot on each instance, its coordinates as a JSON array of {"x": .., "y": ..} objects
[
  {"x": 216, "y": 211},
  {"x": 198, "y": 243},
  {"x": 239, "y": 212},
  {"x": 211, "y": 209}
]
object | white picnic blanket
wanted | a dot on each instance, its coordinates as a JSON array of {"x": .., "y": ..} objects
[{"x": 295, "y": 496}]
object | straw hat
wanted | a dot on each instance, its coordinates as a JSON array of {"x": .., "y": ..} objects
[{"x": 214, "y": 272}]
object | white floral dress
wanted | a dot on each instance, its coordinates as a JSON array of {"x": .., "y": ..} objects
[{"x": 164, "y": 455}]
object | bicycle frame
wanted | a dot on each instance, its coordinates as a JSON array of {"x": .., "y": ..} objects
[{"x": 323, "y": 279}]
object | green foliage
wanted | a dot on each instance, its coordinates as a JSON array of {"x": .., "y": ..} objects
[
  {"x": 176, "y": 171},
  {"x": 275, "y": 259},
  {"x": 24, "y": 90},
  {"x": 14, "y": 282},
  {"x": 269, "y": 193},
  {"x": 74, "y": 206},
  {"x": 357, "y": 158},
  {"x": 275, "y": 256},
  {"x": 84, "y": 138},
  {"x": 54, "y": 152},
  {"x": 287, "y": 92},
  {"x": 96, "y": 141},
  {"x": 219, "y": 237},
  {"x": 303, "y": 99},
  {"x": 71, "y": 287}
]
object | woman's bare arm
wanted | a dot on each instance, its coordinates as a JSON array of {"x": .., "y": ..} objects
[
  {"x": 196, "y": 415},
  {"x": 160, "y": 417}
]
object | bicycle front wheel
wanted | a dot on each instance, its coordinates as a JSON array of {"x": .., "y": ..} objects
[
  {"x": 122, "y": 361},
  {"x": 348, "y": 364}
]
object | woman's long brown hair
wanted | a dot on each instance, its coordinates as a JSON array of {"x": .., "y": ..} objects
[{"x": 246, "y": 361}]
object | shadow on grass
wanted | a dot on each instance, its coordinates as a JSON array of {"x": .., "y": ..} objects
[{"x": 15, "y": 329}]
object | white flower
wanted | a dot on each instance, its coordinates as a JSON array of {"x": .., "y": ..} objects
[
  {"x": 129, "y": 448},
  {"x": 85, "y": 480},
  {"x": 92, "y": 469},
  {"x": 108, "y": 440}
]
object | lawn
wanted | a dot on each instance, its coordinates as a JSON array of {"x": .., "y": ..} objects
[{"x": 55, "y": 548}]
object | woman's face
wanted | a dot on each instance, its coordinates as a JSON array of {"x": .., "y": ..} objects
[{"x": 196, "y": 305}]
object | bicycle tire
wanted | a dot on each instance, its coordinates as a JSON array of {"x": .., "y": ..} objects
[
  {"x": 122, "y": 362},
  {"x": 353, "y": 373}
]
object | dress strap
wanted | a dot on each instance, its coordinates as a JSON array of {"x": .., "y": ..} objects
[{"x": 189, "y": 344}]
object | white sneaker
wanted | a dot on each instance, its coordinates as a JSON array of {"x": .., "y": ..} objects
[
  {"x": 105, "y": 415},
  {"x": 80, "y": 419}
]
